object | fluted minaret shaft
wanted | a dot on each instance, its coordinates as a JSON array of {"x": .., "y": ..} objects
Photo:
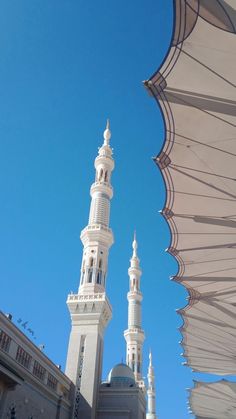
[
  {"x": 151, "y": 394},
  {"x": 134, "y": 335},
  {"x": 97, "y": 236}
]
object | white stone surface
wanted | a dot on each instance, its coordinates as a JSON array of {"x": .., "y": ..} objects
[
  {"x": 120, "y": 396},
  {"x": 134, "y": 335},
  {"x": 20, "y": 389},
  {"x": 90, "y": 309},
  {"x": 151, "y": 394}
]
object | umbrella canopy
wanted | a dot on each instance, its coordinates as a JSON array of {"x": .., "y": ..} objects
[
  {"x": 214, "y": 400},
  {"x": 195, "y": 88}
]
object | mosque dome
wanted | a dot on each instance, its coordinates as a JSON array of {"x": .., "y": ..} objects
[{"x": 121, "y": 376}]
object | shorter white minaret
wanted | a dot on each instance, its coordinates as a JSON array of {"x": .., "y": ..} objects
[
  {"x": 134, "y": 335},
  {"x": 151, "y": 394}
]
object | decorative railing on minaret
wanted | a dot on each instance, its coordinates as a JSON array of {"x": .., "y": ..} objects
[
  {"x": 134, "y": 335},
  {"x": 90, "y": 309},
  {"x": 151, "y": 394}
]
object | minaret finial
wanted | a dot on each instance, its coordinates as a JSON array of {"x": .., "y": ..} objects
[
  {"x": 135, "y": 245},
  {"x": 150, "y": 357},
  {"x": 107, "y": 133}
]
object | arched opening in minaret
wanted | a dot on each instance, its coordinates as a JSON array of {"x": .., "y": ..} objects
[
  {"x": 106, "y": 176},
  {"x": 99, "y": 278},
  {"x": 99, "y": 274},
  {"x": 90, "y": 270},
  {"x": 100, "y": 175}
]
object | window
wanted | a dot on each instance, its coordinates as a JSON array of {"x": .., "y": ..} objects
[
  {"x": 90, "y": 276},
  {"x": 38, "y": 370},
  {"x": 105, "y": 176},
  {"x": 99, "y": 278},
  {"x": 23, "y": 357},
  {"x": 5, "y": 341},
  {"x": 52, "y": 381},
  {"x": 12, "y": 412},
  {"x": 100, "y": 174},
  {"x": 65, "y": 392}
]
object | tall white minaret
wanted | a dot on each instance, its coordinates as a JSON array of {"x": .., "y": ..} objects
[
  {"x": 151, "y": 394},
  {"x": 90, "y": 309},
  {"x": 134, "y": 335}
]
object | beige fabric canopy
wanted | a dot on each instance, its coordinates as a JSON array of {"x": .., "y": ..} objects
[
  {"x": 214, "y": 400},
  {"x": 195, "y": 88}
]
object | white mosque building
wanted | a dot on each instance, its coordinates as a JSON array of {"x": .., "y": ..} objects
[
  {"x": 123, "y": 395},
  {"x": 32, "y": 386}
]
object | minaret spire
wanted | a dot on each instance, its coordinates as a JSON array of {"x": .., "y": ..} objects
[
  {"x": 90, "y": 309},
  {"x": 135, "y": 246},
  {"x": 107, "y": 133},
  {"x": 151, "y": 394},
  {"x": 97, "y": 237},
  {"x": 134, "y": 335}
]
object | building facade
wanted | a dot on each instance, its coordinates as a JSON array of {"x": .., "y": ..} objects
[
  {"x": 31, "y": 386},
  {"x": 120, "y": 396}
]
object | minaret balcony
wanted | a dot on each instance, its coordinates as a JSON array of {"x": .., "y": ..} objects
[
  {"x": 101, "y": 186},
  {"x": 134, "y": 270},
  {"x": 105, "y": 158},
  {"x": 134, "y": 334},
  {"x": 97, "y": 233},
  {"x": 135, "y": 295},
  {"x": 88, "y": 297},
  {"x": 89, "y": 307}
]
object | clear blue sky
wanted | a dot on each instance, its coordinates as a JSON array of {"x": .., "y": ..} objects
[{"x": 65, "y": 67}]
